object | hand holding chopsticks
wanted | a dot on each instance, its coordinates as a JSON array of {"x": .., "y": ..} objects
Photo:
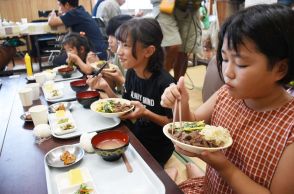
[
  {"x": 100, "y": 70},
  {"x": 177, "y": 103}
]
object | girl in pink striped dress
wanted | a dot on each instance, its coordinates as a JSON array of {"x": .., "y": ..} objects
[{"x": 256, "y": 54}]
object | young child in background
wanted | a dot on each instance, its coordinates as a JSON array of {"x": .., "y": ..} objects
[
  {"x": 78, "y": 52},
  {"x": 139, "y": 52},
  {"x": 256, "y": 50},
  {"x": 117, "y": 77}
]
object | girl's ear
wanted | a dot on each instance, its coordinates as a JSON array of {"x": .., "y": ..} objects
[
  {"x": 149, "y": 51},
  {"x": 281, "y": 68}
]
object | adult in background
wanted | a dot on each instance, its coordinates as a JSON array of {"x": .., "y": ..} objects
[
  {"x": 181, "y": 33},
  {"x": 78, "y": 20},
  {"x": 108, "y": 9}
]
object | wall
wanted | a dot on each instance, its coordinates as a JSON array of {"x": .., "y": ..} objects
[{"x": 14, "y": 10}]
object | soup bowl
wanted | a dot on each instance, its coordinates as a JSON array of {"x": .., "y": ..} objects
[
  {"x": 66, "y": 72},
  {"x": 79, "y": 85},
  {"x": 86, "y": 98},
  {"x": 110, "y": 144}
]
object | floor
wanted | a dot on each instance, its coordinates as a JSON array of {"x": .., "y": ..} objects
[{"x": 194, "y": 79}]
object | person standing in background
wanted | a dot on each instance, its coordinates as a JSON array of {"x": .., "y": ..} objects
[
  {"x": 108, "y": 9},
  {"x": 78, "y": 20},
  {"x": 181, "y": 33}
]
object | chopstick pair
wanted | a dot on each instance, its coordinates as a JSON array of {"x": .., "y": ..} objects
[
  {"x": 100, "y": 70},
  {"x": 177, "y": 104}
]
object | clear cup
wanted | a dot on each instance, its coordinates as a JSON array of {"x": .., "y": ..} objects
[
  {"x": 36, "y": 90},
  {"x": 26, "y": 96},
  {"x": 39, "y": 114}
]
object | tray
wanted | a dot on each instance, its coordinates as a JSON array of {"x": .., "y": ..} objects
[
  {"x": 113, "y": 177},
  {"x": 86, "y": 121},
  {"x": 76, "y": 75},
  {"x": 67, "y": 93}
]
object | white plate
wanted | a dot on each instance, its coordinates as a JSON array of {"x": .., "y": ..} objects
[
  {"x": 57, "y": 127},
  {"x": 190, "y": 148},
  {"x": 63, "y": 182},
  {"x": 110, "y": 115},
  {"x": 95, "y": 66},
  {"x": 52, "y": 158},
  {"x": 85, "y": 120}
]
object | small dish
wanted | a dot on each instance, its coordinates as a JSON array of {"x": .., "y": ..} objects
[
  {"x": 52, "y": 158},
  {"x": 26, "y": 117},
  {"x": 68, "y": 184},
  {"x": 59, "y": 106},
  {"x": 191, "y": 148},
  {"x": 100, "y": 104}
]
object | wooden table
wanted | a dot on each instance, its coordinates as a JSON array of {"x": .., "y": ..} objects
[{"x": 22, "y": 160}]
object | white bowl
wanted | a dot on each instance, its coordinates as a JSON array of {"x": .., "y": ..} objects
[
  {"x": 191, "y": 148},
  {"x": 110, "y": 115}
]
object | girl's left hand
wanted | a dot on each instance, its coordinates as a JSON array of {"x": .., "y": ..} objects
[
  {"x": 216, "y": 160},
  {"x": 138, "y": 112},
  {"x": 91, "y": 58},
  {"x": 72, "y": 58}
]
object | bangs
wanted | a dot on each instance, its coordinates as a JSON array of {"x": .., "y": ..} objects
[
  {"x": 122, "y": 33},
  {"x": 235, "y": 37}
]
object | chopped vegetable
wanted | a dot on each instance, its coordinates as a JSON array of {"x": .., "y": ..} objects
[
  {"x": 84, "y": 189},
  {"x": 191, "y": 126}
]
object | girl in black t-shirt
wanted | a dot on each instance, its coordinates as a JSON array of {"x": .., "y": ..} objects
[{"x": 139, "y": 52}]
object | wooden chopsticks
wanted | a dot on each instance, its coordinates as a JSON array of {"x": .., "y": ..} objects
[{"x": 177, "y": 103}]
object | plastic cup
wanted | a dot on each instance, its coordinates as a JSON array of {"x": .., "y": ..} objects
[
  {"x": 40, "y": 78},
  {"x": 36, "y": 90},
  {"x": 39, "y": 114},
  {"x": 26, "y": 96}
]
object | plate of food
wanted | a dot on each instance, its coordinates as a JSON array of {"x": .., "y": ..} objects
[
  {"x": 112, "y": 107},
  {"x": 59, "y": 106},
  {"x": 197, "y": 137},
  {"x": 64, "y": 156},
  {"x": 51, "y": 91},
  {"x": 97, "y": 65},
  {"x": 26, "y": 117},
  {"x": 77, "y": 180},
  {"x": 62, "y": 122}
]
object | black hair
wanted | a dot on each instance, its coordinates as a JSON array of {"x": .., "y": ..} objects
[
  {"x": 73, "y": 3},
  {"x": 270, "y": 27},
  {"x": 115, "y": 22},
  {"x": 148, "y": 32},
  {"x": 74, "y": 39}
]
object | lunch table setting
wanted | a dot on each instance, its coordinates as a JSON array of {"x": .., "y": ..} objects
[{"x": 59, "y": 136}]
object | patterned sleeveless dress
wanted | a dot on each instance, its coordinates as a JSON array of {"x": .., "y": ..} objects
[{"x": 259, "y": 141}]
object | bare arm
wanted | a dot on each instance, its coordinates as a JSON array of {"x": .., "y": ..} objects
[
  {"x": 282, "y": 182},
  {"x": 141, "y": 111},
  {"x": 179, "y": 92}
]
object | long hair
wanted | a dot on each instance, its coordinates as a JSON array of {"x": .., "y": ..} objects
[{"x": 148, "y": 32}]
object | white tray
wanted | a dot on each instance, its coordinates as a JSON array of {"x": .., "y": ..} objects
[
  {"x": 86, "y": 121},
  {"x": 67, "y": 92},
  {"x": 113, "y": 177},
  {"x": 76, "y": 75}
]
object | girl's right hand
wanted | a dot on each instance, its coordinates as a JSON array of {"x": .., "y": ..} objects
[
  {"x": 114, "y": 74},
  {"x": 97, "y": 83},
  {"x": 174, "y": 92}
]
